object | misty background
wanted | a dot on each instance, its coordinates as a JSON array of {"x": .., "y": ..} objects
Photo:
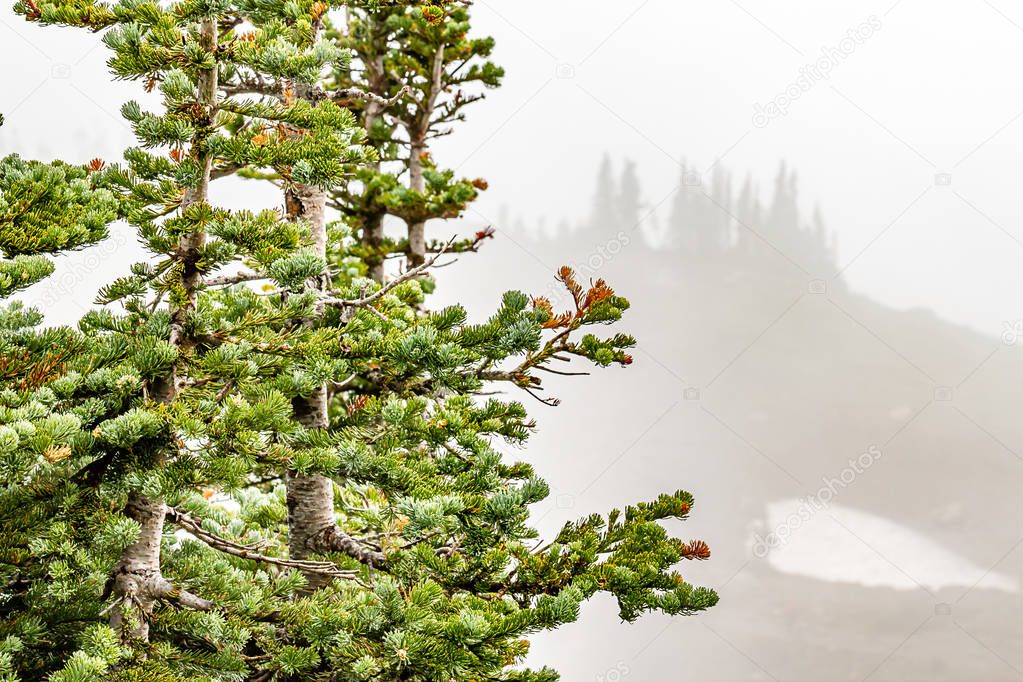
[{"x": 815, "y": 209}]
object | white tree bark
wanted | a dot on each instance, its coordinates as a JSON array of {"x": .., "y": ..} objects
[
  {"x": 418, "y": 133},
  {"x": 312, "y": 527}
]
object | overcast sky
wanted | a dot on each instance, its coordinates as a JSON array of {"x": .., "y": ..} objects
[{"x": 923, "y": 94}]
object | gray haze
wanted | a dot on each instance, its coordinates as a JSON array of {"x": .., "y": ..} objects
[{"x": 863, "y": 304}]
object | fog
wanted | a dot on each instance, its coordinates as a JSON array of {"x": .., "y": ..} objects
[{"x": 828, "y": 361}]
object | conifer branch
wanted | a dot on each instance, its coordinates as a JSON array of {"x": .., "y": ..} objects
[
  {"x": 257, "y": 85},
  {"x": 224, "y": 170},
  {"x": 250, "y": 85}
]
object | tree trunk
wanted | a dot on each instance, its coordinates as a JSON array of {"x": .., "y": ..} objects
[
  {"x": 373, "y": 237},
  {"x": 373, "y": 226},
  {"x": 137, "y": 582},
  {"x": 310, "y": 498},
  {"x": 138, "y": 570},
  {"x": 417, "y": 228},
  {"x": 312, "y": 528},
  {"x": 418, "y": 132}
]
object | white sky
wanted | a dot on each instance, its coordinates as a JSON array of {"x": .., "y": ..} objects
[
  {"x": 653, "y": 80},
  {"x": 671, "y": 78}
]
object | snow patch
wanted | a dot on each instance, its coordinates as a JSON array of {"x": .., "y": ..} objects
[{"x": 842, "y": 544}]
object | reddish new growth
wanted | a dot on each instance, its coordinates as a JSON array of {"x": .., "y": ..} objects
[
  {"x": 33, "y": 9},
  {"x": 553, "y": 321},
  {"x": 31, "y": 370},
  {"x": 481, "y": 235},
  {"x": 696, "y": 549},
  {"x": 96, "y": 165},
  {"x": 584, "y": 301},
  {"x": 357, "y": 404},
  {"x": 55, "y": 453},
  {"x": 288, "y": 92},
  {"x": 432, "y": 14}
]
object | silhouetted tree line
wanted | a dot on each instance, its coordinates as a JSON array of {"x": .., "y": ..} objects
[{"x": 709, "y": 216}]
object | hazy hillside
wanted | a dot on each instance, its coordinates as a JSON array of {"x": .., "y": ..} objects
[{"x": 754, "y": 384}]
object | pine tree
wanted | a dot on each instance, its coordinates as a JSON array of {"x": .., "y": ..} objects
[
  {"x": 676, "y": 235},
  {"x": 747, "y": 216},
  {"x": 416, "y": 71},
  {"x": 628, "y": 201},
  {"x": 783, "y": 215},
  {"x": 605, "y": 199},
  {"x": 260, "y": 457},
  {"x": 719, "y": 237}
]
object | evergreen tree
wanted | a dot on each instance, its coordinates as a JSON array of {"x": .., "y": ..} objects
[
  {"x": 675, "y": 234},
  {"x": 415, "y": 71},
  {"x": 628, "y": 203},
  {"x": 823, "y": 243},
  {"x": 705, "y": 217},
  {"x": 44, "y": 209},
  {"x": 605, "y": 205},
  {"x": 746, "y": 213},
  {"x": 719, "y": 234},
  {"x": 259, "y": 458},
  {"x": 783, "y": 215}
]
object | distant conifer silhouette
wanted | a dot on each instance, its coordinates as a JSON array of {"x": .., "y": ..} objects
[
  {"x": 604, "y": 198},
  {"x": 628, "y": 204},
  {"x": 708, "y": 218}
]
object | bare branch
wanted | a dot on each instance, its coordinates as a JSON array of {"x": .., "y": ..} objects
[
  {"x": 250, "y": 85},
  {"x": 164, "y": 589},
  {"x": 336, "y": 540},
  {"x": 564, "y": 374},
  {"x": 549, "y": 402},
  {"x": 367, "y": 301},
  {"x": 194, "y": 526},
  {"x": 356, "y": 93},
  {"x": 224, "y": 170},
  {"x": 236, "y": 278}
]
